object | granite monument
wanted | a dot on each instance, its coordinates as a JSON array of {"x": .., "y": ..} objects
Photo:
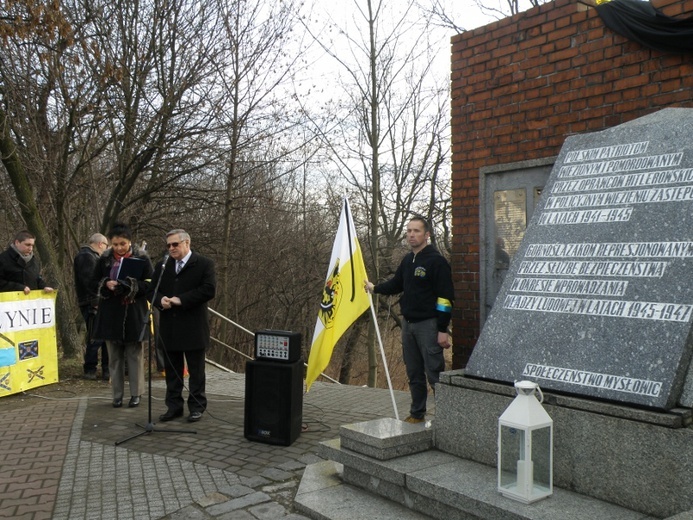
[{"x": 598, "y": 300}]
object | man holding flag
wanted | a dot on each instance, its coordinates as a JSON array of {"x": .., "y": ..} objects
[
  {"x": 424, "y": 278},
  {"x": 343, "y": 299}
]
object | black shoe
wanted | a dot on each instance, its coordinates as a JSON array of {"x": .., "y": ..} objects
[
  {"x": 117, "y": 403},
  {"x": 169, "y": 415},
  {"x": 106, "y": 375},
  {"x": 194, "y": 416},
  {"x": 91, "y": 376},
  {"x": 134, "y": 401}
]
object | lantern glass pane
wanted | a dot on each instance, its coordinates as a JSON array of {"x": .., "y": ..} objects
[
  {"x": 541, "y": 455},
  {"x": 512, "y": 450}
]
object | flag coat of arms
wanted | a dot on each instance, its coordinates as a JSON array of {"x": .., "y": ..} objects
[{"x": 344, "y": 298}]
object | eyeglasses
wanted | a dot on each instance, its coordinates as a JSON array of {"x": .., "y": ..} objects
[{"x": 169, "y": 245}]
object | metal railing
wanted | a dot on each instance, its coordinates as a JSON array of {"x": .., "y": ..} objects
[{"x": 228, "y": 320}]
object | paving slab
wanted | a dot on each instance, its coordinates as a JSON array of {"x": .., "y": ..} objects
[{"x": 68, "y": 454}]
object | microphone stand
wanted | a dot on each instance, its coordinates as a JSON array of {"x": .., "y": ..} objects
[{"x": 149, "y": 427}]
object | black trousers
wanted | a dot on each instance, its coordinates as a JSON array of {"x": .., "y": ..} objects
[
  {"x": 91, "y": 353},
  {"x": 175, "y": 364}
]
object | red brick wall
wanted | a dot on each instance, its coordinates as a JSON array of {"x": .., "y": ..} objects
[{"x": 520, "y": 86}]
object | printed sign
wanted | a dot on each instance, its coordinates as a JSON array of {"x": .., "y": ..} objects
[{"x": 28, "y": 348}]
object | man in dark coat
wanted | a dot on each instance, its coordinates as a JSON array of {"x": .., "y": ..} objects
[
  {"x": 84, "y": 267},
  {"x": 19, "y": 268},
  {"x": 187, "y": 283}
]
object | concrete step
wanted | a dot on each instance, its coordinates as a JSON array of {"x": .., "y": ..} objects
[
  {"x": 431, "y": 483},
  {"x": 323, "y": 496},
  {"x": 386, "y": 438}
]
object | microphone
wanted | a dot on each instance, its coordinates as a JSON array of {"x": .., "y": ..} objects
[{"x": 163, "y": 268}]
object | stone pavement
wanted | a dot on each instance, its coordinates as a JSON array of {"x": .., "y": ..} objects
[{"x": 59, "y": 459}]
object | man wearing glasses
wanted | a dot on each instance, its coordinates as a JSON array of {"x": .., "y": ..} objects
[
  {"x": 87, "y": 298},
  {"x": 187, "y": 283}
]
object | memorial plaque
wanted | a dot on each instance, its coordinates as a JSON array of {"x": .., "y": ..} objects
[{"x": 598, "y": 299}]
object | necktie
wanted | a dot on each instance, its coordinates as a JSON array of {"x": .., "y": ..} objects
[{"x": 179, "y": 266}]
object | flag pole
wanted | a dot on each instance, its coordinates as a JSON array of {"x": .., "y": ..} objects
[{"x": 382, "y": 353}]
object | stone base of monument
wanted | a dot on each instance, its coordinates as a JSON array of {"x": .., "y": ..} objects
[
  {"x": 610, "y": 461},
  {"x": 637, "y": 458}
]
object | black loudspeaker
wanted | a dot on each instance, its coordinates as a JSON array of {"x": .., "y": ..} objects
[{"x": 273, "y": 401}]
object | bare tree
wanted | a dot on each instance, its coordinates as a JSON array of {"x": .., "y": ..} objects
[
  {"x": 34, "y": 36},
  {"x": 169, "y": 114},
  {"x": 157, "y": 63},
  {"x": 104, "y": 112},
  {"x": 449, "y": 14},
  {"x": 388, "y": 133},
  {"x": 260, "y": 128}
]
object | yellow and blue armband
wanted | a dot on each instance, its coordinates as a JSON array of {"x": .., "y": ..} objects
[{"x": 443, "y": 305}]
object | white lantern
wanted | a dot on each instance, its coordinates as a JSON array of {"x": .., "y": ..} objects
[{"x": 525, "y": 447}]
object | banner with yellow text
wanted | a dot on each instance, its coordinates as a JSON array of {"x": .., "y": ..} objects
[
  {"x": 28, "y": 347},
  {"x": 344, "y": 298}
]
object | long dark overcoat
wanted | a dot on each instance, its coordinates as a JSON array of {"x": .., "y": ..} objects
[
  {"x": 121, "y": 314},
  {"x": 83, "y": 269},
  {"x": 185, "y": 326}
]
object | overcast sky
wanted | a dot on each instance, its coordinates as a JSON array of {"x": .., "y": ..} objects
[{"x": 466, "y": 14}]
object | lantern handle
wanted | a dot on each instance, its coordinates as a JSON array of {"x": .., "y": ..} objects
[{"x": 541, "y": 395}]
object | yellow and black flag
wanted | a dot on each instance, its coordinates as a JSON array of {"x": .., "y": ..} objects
[{"x": 344, "y": 298}]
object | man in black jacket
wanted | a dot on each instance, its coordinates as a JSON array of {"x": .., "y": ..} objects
[
  {"x": 188, "y": 282},
  {"x": 83, "y": 268},
  {"x": 424, "y": 278},
  {"x": 19, "y": 268}
]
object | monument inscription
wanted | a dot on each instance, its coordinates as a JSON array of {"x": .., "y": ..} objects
[{"x": 598, "y": 299}]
